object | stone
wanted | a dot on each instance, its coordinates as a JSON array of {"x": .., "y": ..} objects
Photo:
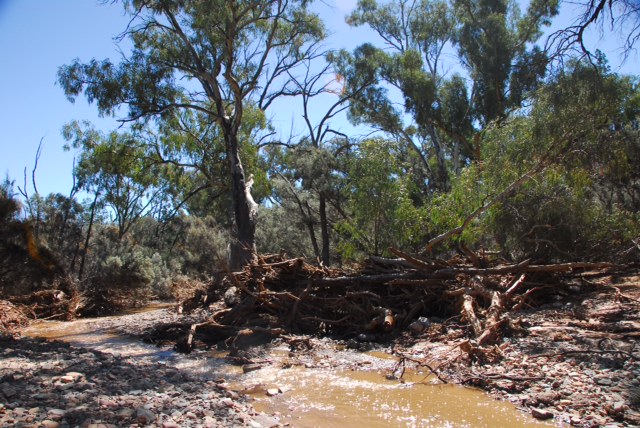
[
  {"x": 416, "y": 327},
  {"x": 209, "y": 422},
  {"x": 273, "y": 391},
  {"x": 125, "y": 413},
  {"x": 45, "y": 396},
  {"x": 251, "y": 367},
  {"x": 283, "y": 389},
  {"x": 8, "y": 390},
  {"x": 603, "y": 381},
  {"x": 56, "y": 414},
  {"x": 144, "y": 416},
  {"x": 266, "y": 420},
  {"x": 541, "y": 414},
  {"x": 48, "y": 423},
  {"x": 233, "y": 395},
  {"x": 615, "y": 409}
]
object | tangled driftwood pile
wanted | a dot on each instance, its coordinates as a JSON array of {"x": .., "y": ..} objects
[
  {"x": 274, "y": 296},
  {"x": 11, "y": 318}
]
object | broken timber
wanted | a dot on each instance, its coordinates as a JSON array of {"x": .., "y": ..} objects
[{"x": 278, "y": 296}]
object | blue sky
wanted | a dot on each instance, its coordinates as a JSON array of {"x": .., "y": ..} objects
[{"x": 38, "y": 36}]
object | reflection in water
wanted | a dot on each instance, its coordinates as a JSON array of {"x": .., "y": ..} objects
[{"x": 313, "y": 397}]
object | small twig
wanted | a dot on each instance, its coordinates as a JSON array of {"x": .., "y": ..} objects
[
  {"x": 420, "y": 363},
  {"x": 590, "y": 351},
  {"x": 327, "y": 321},
  {"x": 619, "y": 294},
  {"x": 506, "y": 376}
]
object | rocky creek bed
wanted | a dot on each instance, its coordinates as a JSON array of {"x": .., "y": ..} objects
[
  {"x": 573, "y": 361},
  {"x": 54, "y": 384}
]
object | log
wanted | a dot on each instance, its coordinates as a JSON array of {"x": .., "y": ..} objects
[
  {"x": 514, "y": 287},
  {"x": 364, "y": 280},
  {"x": 493, "y": 321},
  {"x": 469, "y": 314},
  {"x": 418, "y": 282},
  {"x": 291, "y": 263},
  {"x": 391, "y": 263},
  {"x": 500, "y": 270},
  {"x": 568, "y": 267}
]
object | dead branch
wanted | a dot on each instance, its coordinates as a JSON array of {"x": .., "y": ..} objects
[
  {"x": 469, "y": 314},
  {"x": 419, "y": 264}
]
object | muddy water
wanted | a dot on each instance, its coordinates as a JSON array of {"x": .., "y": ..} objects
[
  {"x": 326, "y": 398},
  {"x": 314, "y": 397}
]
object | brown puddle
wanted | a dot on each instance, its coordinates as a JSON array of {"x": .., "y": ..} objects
[{"x": 315, "y": 397}]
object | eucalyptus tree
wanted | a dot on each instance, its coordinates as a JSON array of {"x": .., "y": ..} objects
[
  {"x": 495, "y": 62},
  {"x": 215, "y": 57},
  {"x": 378, "y": 192},
  {"x": 314, "y": 163},
  {"x": 116, "y": 171}
]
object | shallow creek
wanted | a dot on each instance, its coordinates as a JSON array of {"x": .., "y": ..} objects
[{"x": 313, "y": 397}]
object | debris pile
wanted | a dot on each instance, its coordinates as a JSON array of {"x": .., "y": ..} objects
[
  {"x": 11, "y": 319},
  {"x": 276, "y": 296}
]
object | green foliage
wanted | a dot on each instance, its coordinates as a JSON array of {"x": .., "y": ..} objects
[
  {"x": 581, "y": 127},
  {"x": 117, "y": 168},
  {"x": 443, "y": 113},
  {"x": 198, "y": 246},
  {"x": 36, "y": 252},
  {"x": 220, "y": 62},
  {"x": 282, "y": 232},
  {"x": 379, "y": 199},
  {"x": 9, "y": 205},
  {"x": 119, "y": 273}
]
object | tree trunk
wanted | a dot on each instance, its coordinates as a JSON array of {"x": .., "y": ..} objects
[
  {"x": 309, "y": 221},
  {"x": 245, "y": 211},
  {"x": 442, "y": 176},
  {"x": 324, "y": 230},
  {"x": 88, "y": 237}
]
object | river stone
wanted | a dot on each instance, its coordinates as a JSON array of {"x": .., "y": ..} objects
[
  {"x": 541, "y": 414},
  {"x": 56, "y": 414},
  {"x": 125, "y": 413},
  {"x": 416, "y": 327},
  {"x": 8, "y": 390},
  {"x": 603, "y": 381},
  {"x": 251, "y": 367},
  {"x": 144, "y": 416},
  {"x": 266, "y": 420}
]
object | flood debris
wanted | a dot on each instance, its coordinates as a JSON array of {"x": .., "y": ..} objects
[
  {"x": 12, "y": 319},
  {"x": 517, "y": 330},
  {"x": 382, "y": 298}
]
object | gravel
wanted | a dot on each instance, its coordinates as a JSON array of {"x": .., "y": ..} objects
[{"x": 54, "y": 384}]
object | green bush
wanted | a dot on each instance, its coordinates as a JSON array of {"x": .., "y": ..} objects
[{"x": 577, "y": 146}]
